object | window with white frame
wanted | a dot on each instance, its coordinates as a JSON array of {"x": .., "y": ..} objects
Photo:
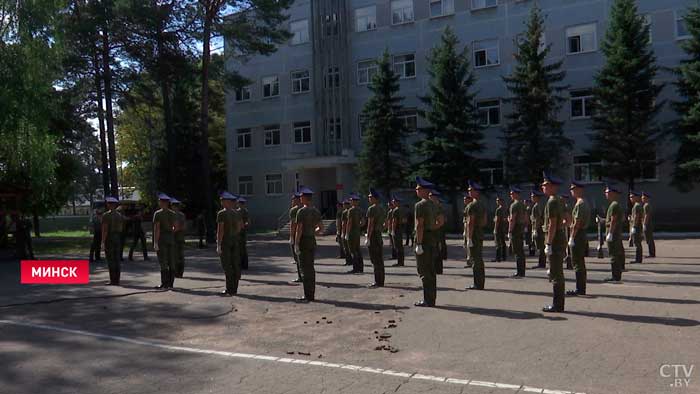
[
  {"x": 301, "y": 81},
  {"x": 366, "y": 69},
  {"x": 300, "y": 31},
  {"x": 334, "y": 129},
  {"x": 491, "y": 173},
  {"x": 333, "y": 77},
  {"x": 648, "y": 171},
  {"x": 587, "y": 169},
  {"x": 581, "y": 104},
  {"x": 681, "y": 29},
  {"x": 272, "y": 135},
  {"x": 242, "y": 94},
  {"x": 648, "y": 24},
  {"x": 486, "y": 53},
  {"x": 489, "y": 112},
  {"x": 271, "y": 86},
  {"x": 244, "y": 138},
  {"x": 405, "y": 65},
  {"x": 481, "y": 4},
  {"x": 581, "y": 39},
  {"x": 401, "y": 11},
  {"x": 441, "y": 8},
  {"x": 331, "y": 24},
  {"x": 273, "y": 184},
  {"x": 409, "y": 118},
  {"x": 245, "y": 185},
  {"x": 302, "y": 132},
  {"x": 366, "y": 18}
]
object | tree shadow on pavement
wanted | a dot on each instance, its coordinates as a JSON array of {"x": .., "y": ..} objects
[
  {"x": 661, "y": 320},
  {"x": 502, "y": 313},
  {"x": 600, "y": 295}
]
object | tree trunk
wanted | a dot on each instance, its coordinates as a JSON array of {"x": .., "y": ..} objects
[
  {"x": 107, "y": 77},
  {"x": 204, "y": 127},
  {"x": 104, "y": 166},
  {"x": 35, "y": 220},
  {"x": 170, "y": 137}
]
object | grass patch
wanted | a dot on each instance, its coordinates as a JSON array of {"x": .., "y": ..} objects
[
  {"x": 67, "y": 234},
  {"x": 48, "y": 247}
]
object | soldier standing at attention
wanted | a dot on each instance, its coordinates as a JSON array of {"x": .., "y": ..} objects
[
  {"x": 126, "y": 228},
  {"x": 516, "y": 228},
  {"x": 577, "y": 238},
  {"x": 180, "y": 223},
  {"x": 353, "y": 235},
  {"x": 164, "y": 241},
  {"x": 228, "y": 237},
  {"x": 614, "y": 221},
  {"x": 344, "y": 234},
  {"x": 637, "y": 225},
  {"x": 527, "y": 230},
  {"x": 243, "y": 212},
  {"x": 426, "y": 241},
  {"x": 112, "y": 227},
  {"x": 567, "y": 222},
  {"x": 466, "y": 200},
  {"x": 387, "y": 226},
  {"x": 308, "y": 225},
  {"x": 296, "y": 205},
  {"x": 555, "y": 241},
  {"x": 96, "y": 244},
  {"x": 537, "y": 220},
  {"x": 139, "y": 234},
  {"x": 339, "y": 229},
  {"x": 439, "y": 232},
  {"x": 648, "y": 224},
  {"x": 474, "y": 228},
  {"x": 410, "y": 226},
  {"x": 500, "y": 229},
  {"x": 375, "y": 223},
  {"x": 630, "y": 204},
  {"x": 397, "y": 223}
]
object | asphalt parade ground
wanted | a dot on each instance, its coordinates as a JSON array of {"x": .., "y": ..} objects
[{"x": 638, "y": 336}]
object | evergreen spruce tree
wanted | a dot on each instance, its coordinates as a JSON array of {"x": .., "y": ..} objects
[
  {"x": 383, "y": 161},
  {"x": 453, "y": 134},
  {"x": 687, "y": 164},
  {"x": 534, "y": 139},
  {"x": 626, "y": 105}
]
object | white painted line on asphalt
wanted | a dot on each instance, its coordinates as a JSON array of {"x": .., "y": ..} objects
[{"x": 287, "y": 360}]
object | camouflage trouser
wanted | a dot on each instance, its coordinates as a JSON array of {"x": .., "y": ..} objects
[
  {"x": 376, "y": 255},
  {"x": 518, "y": 251},
  {"x": 476, "y": 254},
  {"x": 112, "y": 255},
  {"x": 556, "y": 271},
  {"x": 308, "y": 271},
  {"x": 296, "y": 261},
  {"x": 398, "y": 243},
  {"x": 358, "y": 263},
  {"x": 231, "y": 264},
  {"x": 578, "y": 252},
  {"x": 617, "y": 257},
  {"x": 651, "y": 245},
  {"x": 500, "y": 238},
  {"x": 637, "y": 241},
  {"x": 539, "y": 243},
  {"x": 425, "y": 263},
  {"x": 179, "y": 258},
  {"x": 167, "y": 262}
]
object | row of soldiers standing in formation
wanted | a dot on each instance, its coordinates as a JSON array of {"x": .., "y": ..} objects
[
  {"x": 557, "y": 231},
  {"x": 168, "y": 240}
]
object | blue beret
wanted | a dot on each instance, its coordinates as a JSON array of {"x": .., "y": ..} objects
[
  {"x": 645, "y": 194},
  {"x": 227, "y": 196},
  {"x": 306, "y": 191},
  {"x": 473, "y": 185},
  {"x": 536, "y": 192},
  {"x": 611, "y": 188},
  {"x": 242, "y": 199},
  {"x": 164, "y": 197},
  {"x": 635, "y": 193},
  {"x": 375, "y": 193},
  {"x": 346, "y": 201},
  {"x": 354, "y": 196},
  {"x": 111, "y": 199},
  {"x": 295, "y": 195},
  {"x": 498, "y": 197},
  {"x": 435, "y": 192},
  {"x": 396, "y": 198},
  {"x": 174, "y": 200},
  {"x": 466, "y": 195},
  {"x": 424, "y": 182},
  {"x": 577, "y": 184},
  {"x": 515, "y": 189},
  {"x": 549, "y": 178}
]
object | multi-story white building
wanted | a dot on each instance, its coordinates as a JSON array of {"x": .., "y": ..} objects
[{"x": 299, "y": 121}]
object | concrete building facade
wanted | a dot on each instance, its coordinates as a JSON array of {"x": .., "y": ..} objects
[{"x": 299, "y": 120}]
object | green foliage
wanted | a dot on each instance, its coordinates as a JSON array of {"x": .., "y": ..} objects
[
  {"x": 453, "y": 135},
  {"x": 687, "y": 163},
  {"x": 382, "y": 161},
  {"x": 534, "y": 138},
  {"x": 626, "y": 135}
]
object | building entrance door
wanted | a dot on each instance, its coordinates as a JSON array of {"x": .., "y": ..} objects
[{"x": 329, "y": 199}]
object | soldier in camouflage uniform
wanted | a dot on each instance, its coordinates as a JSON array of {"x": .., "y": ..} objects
[
  {"x": 228, "y": 238},
  {"x": 555, "y": 241},
  {"x": 245, "y": 217},
  {"x": 426, "y": 224},
  {"x": 614, "y": 221},
  {"x": 517, "y": 220},
  {"x": 500, "y": 229},
  {"x": 164, "y": 241},
  {"x": 441, "y": 252},
  {"x": 637, "y": 225},
  {"x": 648, "y": 225},
  {"x": 373, "y": 240},
  {"x": 180, "y": 223},
  {"x": 309, "y": 224},
  {"x": 354, "y": 229},
  {"x": 296, "y": 204},
  {"x": 580, "y": 219},
  {"x": 537, "y": 220},
  {"x": 344, "y": 236},
  {"x": 112, "y": 227},
  {"x": 466, "y": 200},
  {"x": 339, "y": 229},
  {"x": 474, "y": 230},
  {"x": 396, "y": 226}
]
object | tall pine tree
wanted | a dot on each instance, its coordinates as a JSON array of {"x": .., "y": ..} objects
[
  {"x": 534, "y": 139},
  {"x": 453, "y": 135},
  {"x": 382, "y": 161},
  {"x": 626, "y": 105},
  {"x": 687, "y": 165}
]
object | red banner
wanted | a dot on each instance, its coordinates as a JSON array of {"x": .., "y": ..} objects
[{"x": 55, "y": 272}]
